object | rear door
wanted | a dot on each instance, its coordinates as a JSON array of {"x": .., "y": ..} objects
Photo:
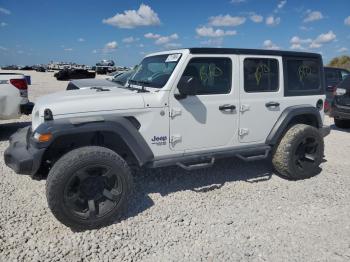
[{"x": 261, "y": 95}]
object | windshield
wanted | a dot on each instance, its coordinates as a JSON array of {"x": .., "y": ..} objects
[{"x": 155, "y": 71}]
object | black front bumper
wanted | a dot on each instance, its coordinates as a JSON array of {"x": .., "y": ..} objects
[
  {"x": 27, "y": 108},
  {"x": 21, "y": 156}
]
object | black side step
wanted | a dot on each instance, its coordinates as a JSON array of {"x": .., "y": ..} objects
[
  {"x": 253, "y": 158},
  {"x": 196, "y": 166}
]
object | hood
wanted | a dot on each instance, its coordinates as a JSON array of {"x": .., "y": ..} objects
[
  {"x": 89, "y": 100},
  {"x": 85, "y": 83}
]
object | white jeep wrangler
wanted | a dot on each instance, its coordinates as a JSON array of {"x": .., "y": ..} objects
[{"x": 183, "y": 107}]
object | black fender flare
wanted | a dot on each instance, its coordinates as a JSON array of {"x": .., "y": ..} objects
[
  {"x": 287, "y": 116},
  {"x": 120, "y": 126}
]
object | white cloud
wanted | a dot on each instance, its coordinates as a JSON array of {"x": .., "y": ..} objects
[
  {"x": 256, "y": 18},
  {"x": 5, "y": 11},
  {"x": 3, "y": 24},
  {"x": 130, "y": 39},
  {"x": 152, "y": 36},
  {"x": 68, "y": 49},
  {"x": 323, "y": 39},
  {"x": 172, "y": 45},
  {"x": 313, "y": 16},
  {"x": 81, "y": 39},
  {"x": 216, "y": 42},
  {"x": 141, "y": 45},
  {"x": 226, "y": 20},
  {"x": 111, "y": 45},
  {"x": 237, "y": 1},
  {"x": 268, "y": 44},
  {"x": 315, "y": 45},
  {"x": 211, "y": 32},
  {"x": 166, "y": 39},
  {"x": 272, "y": 21},
  {"x": 347, "y": 21},
  {"x": 342, "y": 50},
  {"x": 305, "y": 28},
  {"x": 144, "y": 16},
  {"x": 3, "y": 48},
  {"x": 94, "y": 51},
  {"x": 281, "y": 4},
  {"x": 297, "y": 42}
]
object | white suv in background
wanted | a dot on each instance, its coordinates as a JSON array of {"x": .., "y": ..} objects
[
  {"x": 184, "y": 107},
  {"x": 13, "y": 96}
]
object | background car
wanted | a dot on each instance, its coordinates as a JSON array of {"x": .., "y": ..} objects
[
  {"x": 68, "y": 74},
  {"x": 333, "y": 77},
  {"x": 119, "y": 80},
  {"x": 340, "y": 109}
]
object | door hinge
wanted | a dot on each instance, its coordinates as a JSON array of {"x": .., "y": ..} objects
[
  {"x": 175, "y": 139},
  {"x": 244, "y": 108},
  {"x": 243, "y": 131},
  {"x": 175, "y": 112}
]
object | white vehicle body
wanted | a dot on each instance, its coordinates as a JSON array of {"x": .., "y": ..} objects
[
  {"x": 184, "y": 107},
  {"x": 191, "y": 125},
  {"x": 11, "y": 98}
]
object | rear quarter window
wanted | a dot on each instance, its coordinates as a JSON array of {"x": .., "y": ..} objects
[{"x": 303, "y": 77}]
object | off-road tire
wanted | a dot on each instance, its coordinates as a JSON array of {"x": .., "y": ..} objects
[
  {"x": 284, "y": 157},
  {"x": 341, "y": 123},
  {"x": 67, "y": 166}
]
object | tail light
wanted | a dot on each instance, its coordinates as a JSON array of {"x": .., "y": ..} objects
[
  {"x": 20, "y": 84},
  {"x": 326, "y": 106}
]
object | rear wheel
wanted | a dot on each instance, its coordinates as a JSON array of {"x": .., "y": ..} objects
[
  {"x": 341, "y": 123},
  {"x": 88, "y": 187},
  {"x": 299, "y": 153}
]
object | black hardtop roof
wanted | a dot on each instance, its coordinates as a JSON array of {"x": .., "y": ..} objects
[{"x": 243, "y": 51}]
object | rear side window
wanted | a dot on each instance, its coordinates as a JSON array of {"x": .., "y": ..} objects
[
  {"x": 302, "y": 77},
  {"x": 260, "y": 75}
]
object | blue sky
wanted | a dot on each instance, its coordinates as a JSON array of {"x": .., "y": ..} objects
[{"x": 38, "y": 31}]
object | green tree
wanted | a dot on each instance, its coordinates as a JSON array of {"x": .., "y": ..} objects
[{"x": 341, "y": 62}]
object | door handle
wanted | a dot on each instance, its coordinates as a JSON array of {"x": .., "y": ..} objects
[
  {"x": 272, "y": 104},
  {"x": 227, "y": 107}
]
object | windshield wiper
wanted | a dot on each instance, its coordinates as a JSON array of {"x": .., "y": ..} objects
[{"x": 141, "y": 83}]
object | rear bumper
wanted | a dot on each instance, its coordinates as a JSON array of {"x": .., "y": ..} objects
[
  {"x": 27, "y": 108},
  {"x": 340, "y": 112},
  {"x": 21, "y": 156},
  {"x": 325, "y": 131}
]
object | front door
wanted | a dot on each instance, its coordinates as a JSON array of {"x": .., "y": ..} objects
[{"x": 208, "y": 119}]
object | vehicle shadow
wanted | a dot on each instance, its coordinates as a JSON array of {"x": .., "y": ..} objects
[
  {"x": 334, "y": 127},
  {"x": 6, "y": 130},
  {"x": 168, "y": 180}
]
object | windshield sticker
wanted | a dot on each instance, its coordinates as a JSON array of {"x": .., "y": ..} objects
[
  {"x": 304, "y": 72},
  {"x": 173, "y": 58},
  {"x": 260, "y": 70}
]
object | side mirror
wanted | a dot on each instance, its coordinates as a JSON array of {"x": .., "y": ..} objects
[{"x": 187, "y": 86}]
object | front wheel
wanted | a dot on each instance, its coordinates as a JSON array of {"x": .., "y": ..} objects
[
  {"x": 299, "y": 153},
  {"x": 88, "y": 187}
]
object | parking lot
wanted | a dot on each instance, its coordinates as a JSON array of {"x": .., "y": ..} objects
[{"x": 233, "y": 211}]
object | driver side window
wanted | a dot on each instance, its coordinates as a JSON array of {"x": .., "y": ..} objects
[{"x": 214, "y": 74}]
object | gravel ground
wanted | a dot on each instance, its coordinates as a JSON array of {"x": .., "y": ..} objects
[{"x": 233, "y": 211}]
